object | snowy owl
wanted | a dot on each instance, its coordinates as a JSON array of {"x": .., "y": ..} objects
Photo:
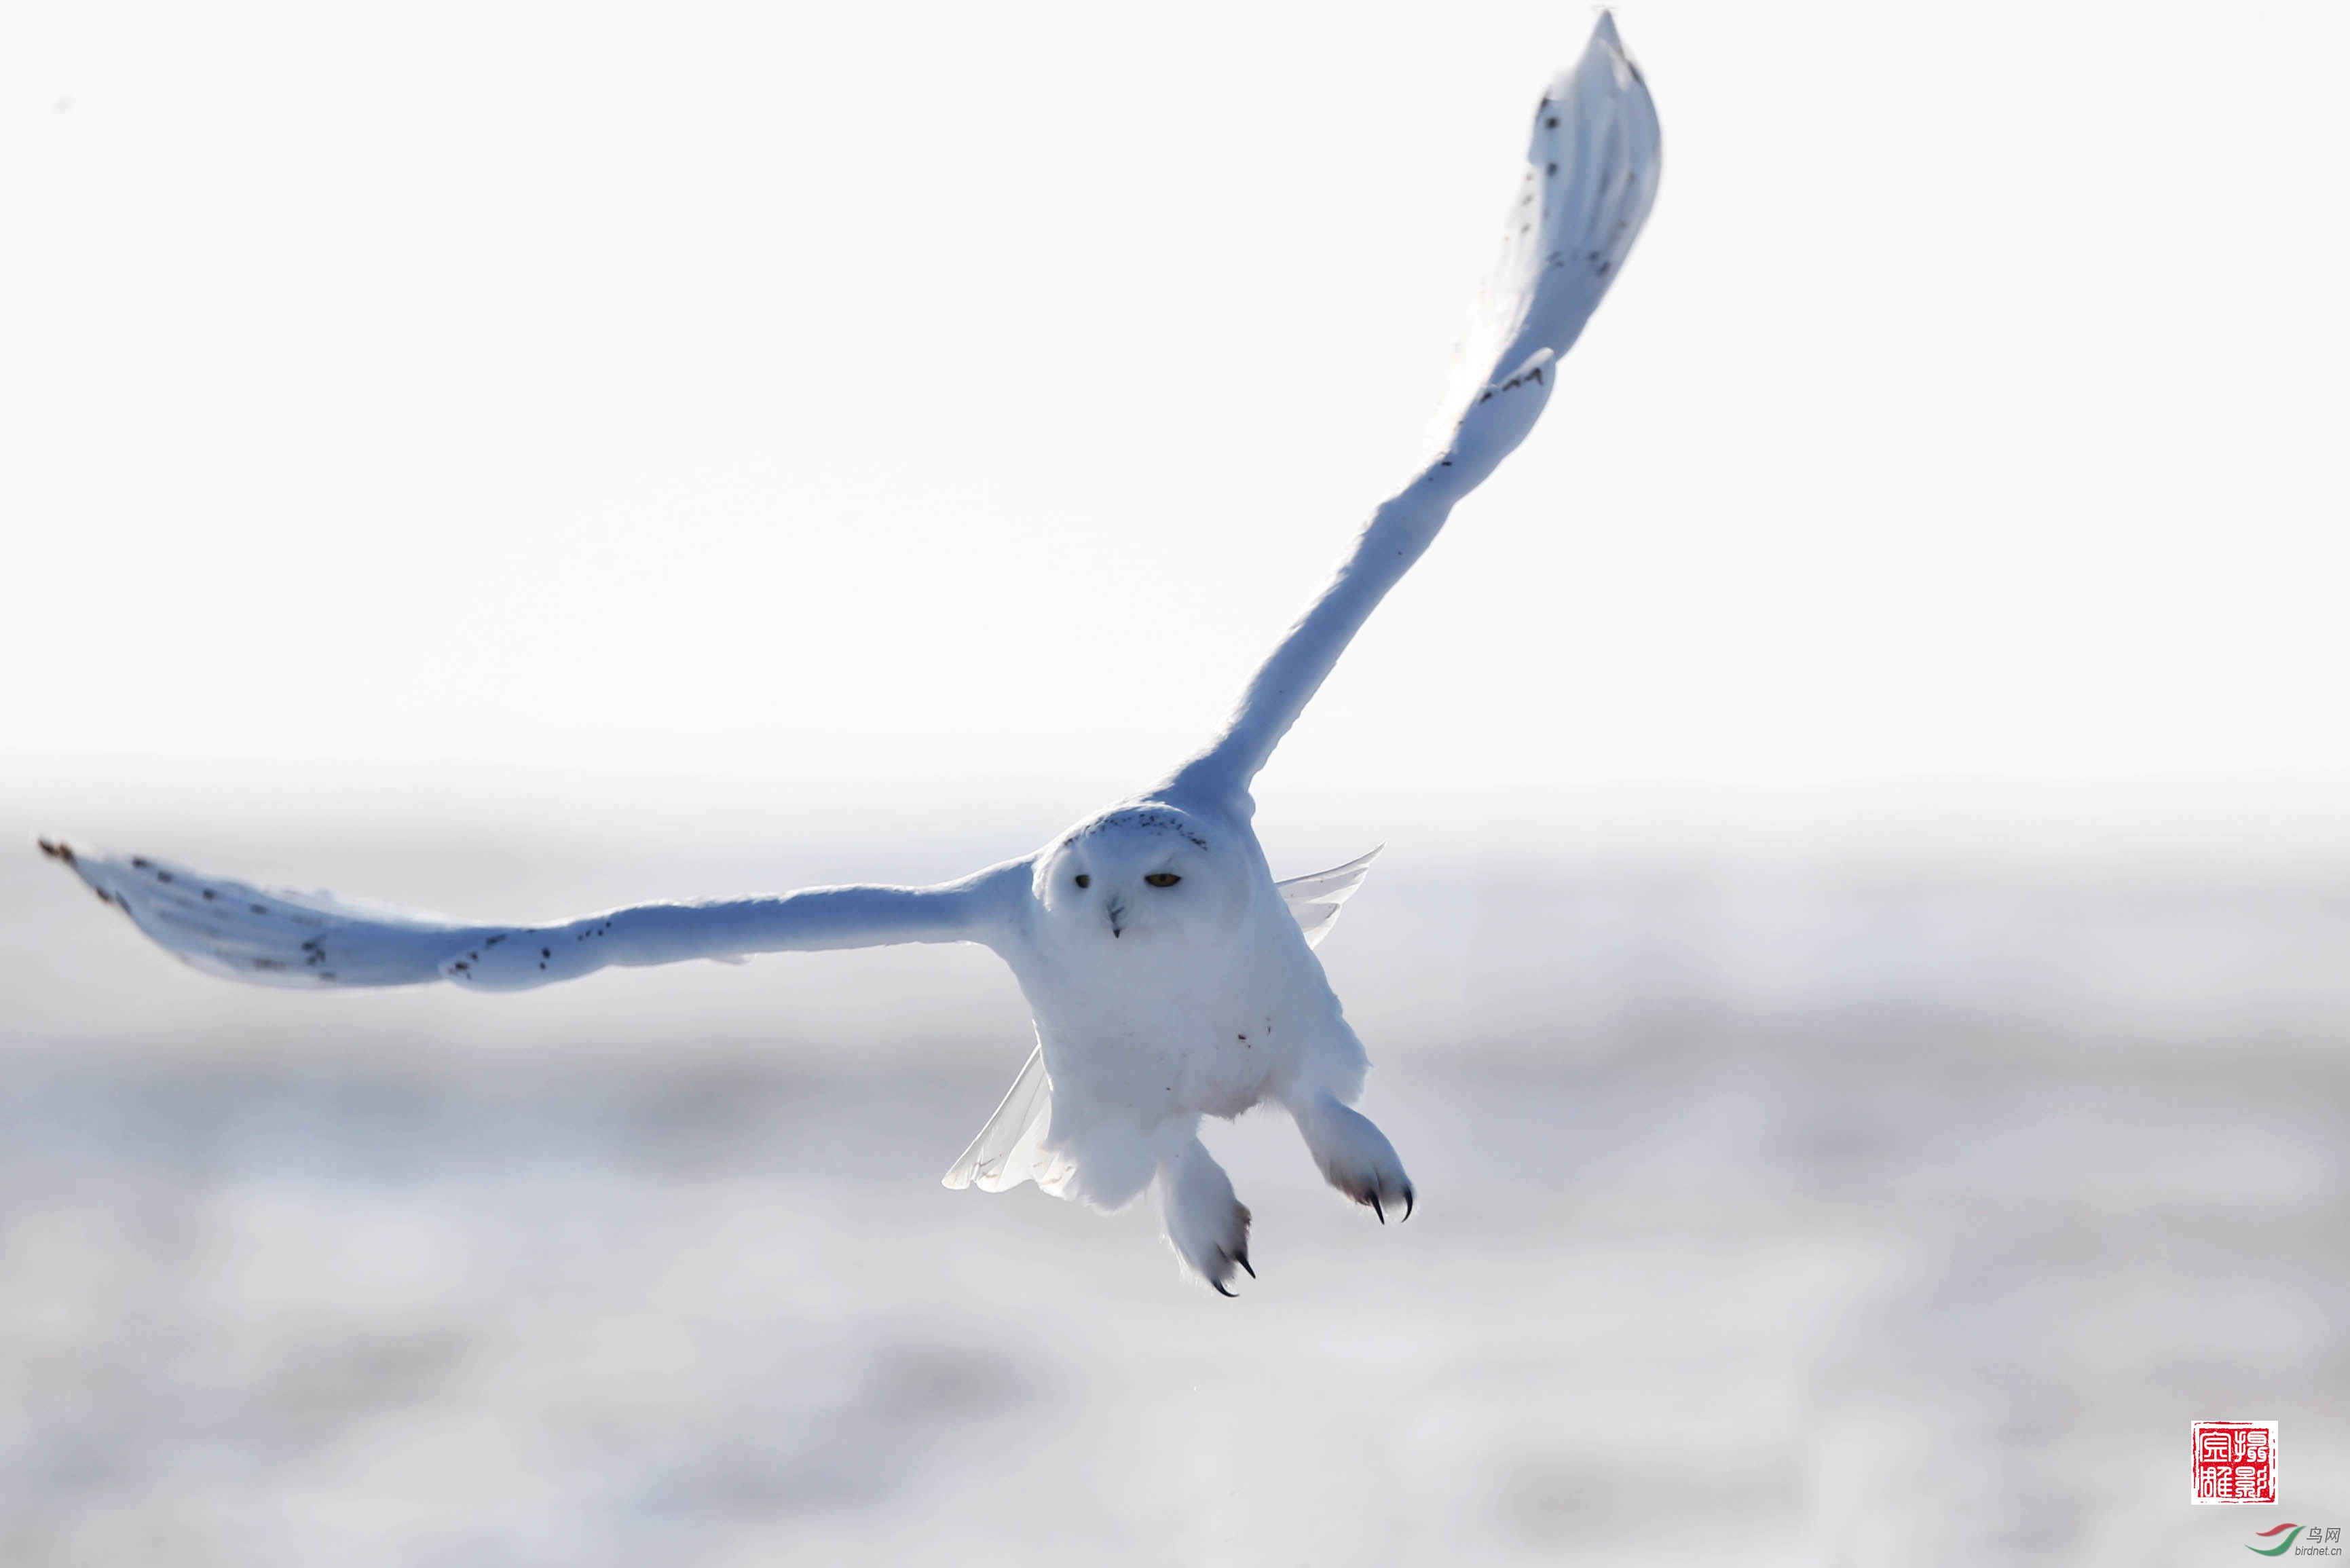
[{"x": 1172, "y": 977}]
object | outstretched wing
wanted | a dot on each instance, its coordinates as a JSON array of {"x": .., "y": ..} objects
[
  {"x": 1591, "y": 177},
  {"x": 1592, "y": 162},
  {"x": 1315, "y": 900},
  {"x": 269, "y": 936}
]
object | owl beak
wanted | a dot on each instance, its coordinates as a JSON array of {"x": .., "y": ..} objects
[{"x": 1118, "y": 917}]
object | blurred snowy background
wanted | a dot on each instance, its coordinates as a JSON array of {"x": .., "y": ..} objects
[
  {"x": 1775, "y": 1214},
  {"x": 1860, "y": 970}
]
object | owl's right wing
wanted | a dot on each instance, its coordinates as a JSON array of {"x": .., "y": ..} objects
[{"x": 273, "y": 937}]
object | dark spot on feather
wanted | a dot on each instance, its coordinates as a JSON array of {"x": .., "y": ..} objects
[
  {"x": 1550, "y": 124},
  {"x": 162, "y": 876},
  {"x": 209, "y": 895},
  {"x": 495, "y": 940},
  {"x": 258, "y": 909},
  {"x": 267, "y": 963},
  {"x": 139, "y": 862},
  {"x": 1553, "y": 168},
  {"x": 545, "y": 953}
]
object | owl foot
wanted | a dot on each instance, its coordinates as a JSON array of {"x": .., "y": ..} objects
[
  {"x": 1207, "y": 1225},
  {"x": 1356, "y": 1157}
]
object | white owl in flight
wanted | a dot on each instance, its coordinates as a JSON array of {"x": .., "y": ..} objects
[{"x": 1170, "y": 976}]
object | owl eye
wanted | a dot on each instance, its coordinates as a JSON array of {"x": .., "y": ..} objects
[
  {"x": 1083, "y": 880},
  {"x": 1162, "y": 879}
]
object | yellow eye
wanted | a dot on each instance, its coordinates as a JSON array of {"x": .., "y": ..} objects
[
  {"x": 1162, "y": 879},
  {"x": 1083, "y": 880}
]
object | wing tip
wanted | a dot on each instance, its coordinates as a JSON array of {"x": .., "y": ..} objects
[
  {"x": 1603, "y": 49},
  {"x": 57, "y": 849}
]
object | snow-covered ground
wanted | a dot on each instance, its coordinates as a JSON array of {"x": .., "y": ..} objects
[{"x": 1778, "y": 1215}]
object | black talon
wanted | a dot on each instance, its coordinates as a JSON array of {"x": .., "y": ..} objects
[
  {"x": 1244, "y": 1262},
  {"x": 1376, "y": 1209},
  {"x": 1407, "y": 1202},
  {"x": 1221, "y": 1292}
]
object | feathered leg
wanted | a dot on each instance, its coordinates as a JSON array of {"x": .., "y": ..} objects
[
  {"x": 1206, "y": 1224},
  {"x": 1356, "y": 1157}
]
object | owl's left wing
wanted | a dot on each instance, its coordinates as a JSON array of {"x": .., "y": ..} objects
[
  {"x": 1591, "y": 176},
  {"x": 269, "y": 936}
]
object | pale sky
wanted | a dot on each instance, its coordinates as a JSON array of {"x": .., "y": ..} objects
[{"x": 459, "y": 401}]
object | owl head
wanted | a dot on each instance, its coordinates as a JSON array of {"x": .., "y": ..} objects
[{"x": 1145, "y": 874}]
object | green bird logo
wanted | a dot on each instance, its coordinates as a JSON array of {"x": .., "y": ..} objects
[{"x": 2281, "y": 1547}]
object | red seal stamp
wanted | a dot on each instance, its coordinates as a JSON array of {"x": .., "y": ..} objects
[{"x": 2235, "y": 1461}]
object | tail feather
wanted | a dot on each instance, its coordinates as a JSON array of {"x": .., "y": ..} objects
[{"x": 1314, "y": 899}]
